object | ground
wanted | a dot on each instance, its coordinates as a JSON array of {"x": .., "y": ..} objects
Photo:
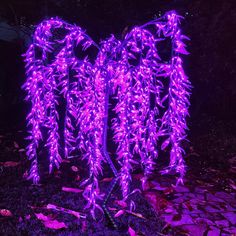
[{"x": 205, "y": 205}]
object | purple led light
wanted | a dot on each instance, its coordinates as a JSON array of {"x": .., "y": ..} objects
[{"x": 132, "y": 73}]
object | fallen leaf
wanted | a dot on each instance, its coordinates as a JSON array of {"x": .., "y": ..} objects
[
  {"x": 213, "y": 232},
  {"x": 74, "y": 168},
  {"x": 54, "y": 224},
  {"x": 25, "y": 175},
  {"x": 178, "y": 219},
  {"x": 9, "y": 163},
  {"x": 21, "y": 150},
  {"x": 225, "y": 196},
  {"x": 27, "y": 217},
  {"x": 178, "y": 200},
  {"x": 222, "y": 223},
  {"x": 121, "y": 203},
  {"x": 166, "y": 228},
  {"x": 119, "y": 213},
  {"x": 198, "y": 230},
  {"x": 231, "y": 230},
  {"x": 157, "y": 201},
  {"x": 230, "y": 216},
  {"x": 16, "y": 145},
  {"x": 181, "y": 189},
  {"x": 73, "y": 190},
  {"x": 212, "y": 198},
  {"x": 135, "y": 214},
  {"x": 157, "y": 186},
  {"x": 131, "y": 232},
  {"x": 203, "y": 221},
  {"x": 84, "y": 226},
  {"x": 43, "y": 217},
  {"x": 137, "y": 176},
  {"x": 5, "y": 212},
  {"x": 107, "y": 179},
  {"x": 188, "y": 205},
  {"x": 112, "y": 208},
  {"x": 232, "y": 184},
  {"x": 77, "y": 178},
  {"x": 49, "y": 222},
  {"x": 168, "y": 190},
  {"x": 146, "y": 185},
  {"x": 170, "y": 209}
]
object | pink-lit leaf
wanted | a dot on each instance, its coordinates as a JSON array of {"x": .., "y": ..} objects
[
  {"x": 72, "y": 190},
  {"x": 157, "y": 201},
  {"x": 139, "y": 215},
  {"x": 164, "y": 99},
  {"x": 9, "y": 163},
  {"x": 107, "y": 179},
  {"x": 119, "y": 213},
  {"x": 121, "y": 203},
  {"x": 74, "y": 168},
  {"x": 84, "y": 226},
  {"x": 193, "y": 229},
  {"x": 49, "y": 222},
  {"x": 182, "y": 50},
  {"x": 16, "y": 145},
  {"x": 28, "y": 217},
  {"x": 232, "y": 184},
  {"x": 132, "y": 232},
  {"x": 112, "y": 208},
  {"x": 165, "y": 144},
  {"x": 5, "y": 212},
  {"x": 21, "y": 150},
  {"x": 185, "y": 37},
  {"x": 77, "y": 214},
  {"x": 77, "y": 178},
  {"x": 43, "y": 217},
  {"x": 54, "y": 224},
  {"x": 178, "y": 219},
  {"x": 146, "y": 185},
  {"x": 157, "y": 186}
]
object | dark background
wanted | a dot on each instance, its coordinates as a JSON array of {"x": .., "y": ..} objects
[
  {"x": 211, "y": 26},
  {"x": 211, "y": 66}
]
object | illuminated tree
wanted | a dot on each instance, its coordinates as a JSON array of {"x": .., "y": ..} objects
[{"x": 129, "y": 71}]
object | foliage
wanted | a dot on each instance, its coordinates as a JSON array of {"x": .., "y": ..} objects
[{"x": 130, "y": 71}]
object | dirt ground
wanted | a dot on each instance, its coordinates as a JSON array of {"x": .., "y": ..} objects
[{"x": 205, "y": 205}]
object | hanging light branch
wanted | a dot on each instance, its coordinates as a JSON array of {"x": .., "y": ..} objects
[{"x": 133, "y": 73}]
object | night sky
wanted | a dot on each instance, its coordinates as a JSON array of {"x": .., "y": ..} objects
[{"x": 209, "y": 24}]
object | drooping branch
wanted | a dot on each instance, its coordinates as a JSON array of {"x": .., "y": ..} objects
[
  {"x": 175, "y": 116},
  {"x": 133, "y": 73}
]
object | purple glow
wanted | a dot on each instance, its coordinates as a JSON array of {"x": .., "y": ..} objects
[{"x": 86, "y": 87}]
